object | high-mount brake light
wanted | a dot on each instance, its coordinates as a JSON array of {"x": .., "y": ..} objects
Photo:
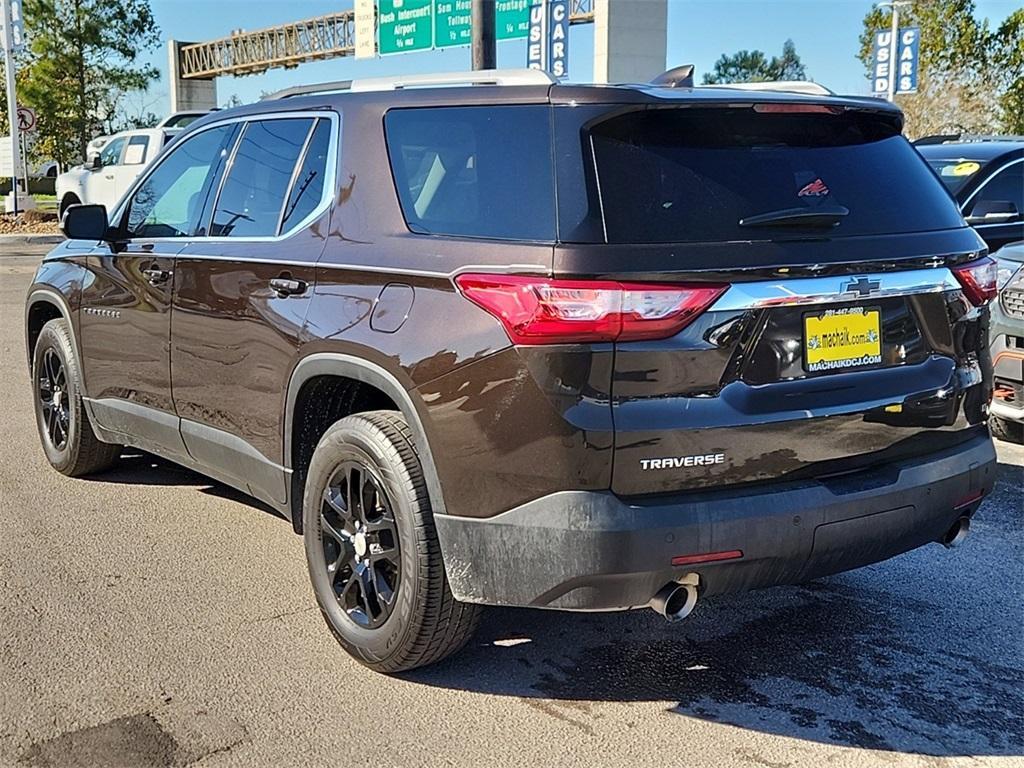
[
  {"x": 820, "y": 109},
  {"x": 978, "y": 279},
  {"x": 536, "y": 310}
]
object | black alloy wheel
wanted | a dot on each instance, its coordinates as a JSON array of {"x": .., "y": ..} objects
[
  {"x": 361, "y": 544},
  {"x": 54, "y": 401}
]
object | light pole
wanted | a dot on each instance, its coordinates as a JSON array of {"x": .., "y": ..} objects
[{"x": 893, "y": 43}]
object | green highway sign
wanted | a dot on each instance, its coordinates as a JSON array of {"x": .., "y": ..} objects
[
  {"x": 419, "y": 25},
  {"x": 512, "y": 19},
  {"x": 405, "y": 25},
  {"x": 452, "y": 22}
]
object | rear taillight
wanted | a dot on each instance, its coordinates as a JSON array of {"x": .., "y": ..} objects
[
  {"x": 536, "y": 310},
  {"x": 978, "y": 279}
]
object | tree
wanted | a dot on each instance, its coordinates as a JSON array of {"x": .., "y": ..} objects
[
  {"x": 967, "y": 76},
  {"x": 754, "y": 66},
  {"x": 83, "y": 56}
]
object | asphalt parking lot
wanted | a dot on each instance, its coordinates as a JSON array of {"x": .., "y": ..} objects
[{"x": 152, "y": 617}]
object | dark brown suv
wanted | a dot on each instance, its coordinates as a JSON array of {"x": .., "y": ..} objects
[{"x": 520, "y": 343}]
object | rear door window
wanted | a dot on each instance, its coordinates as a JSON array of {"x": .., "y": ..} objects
[
  {"x": 692, "y": 174},
  {"x": 135, "y": 154},
  {"x": 474, "y": 171},
  {"x": 1007, "y": 186},
  {"x": 308, "y": 187},
  {"x": 252, "y": 196}
]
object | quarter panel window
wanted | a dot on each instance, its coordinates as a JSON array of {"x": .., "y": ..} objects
[
  {"x": 474, "y": 171},
  {"x": 252, "y": 197},
  {"x": 170, "y": 200}
]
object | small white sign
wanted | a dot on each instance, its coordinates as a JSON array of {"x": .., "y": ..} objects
[
  {"x": 366, "y": 28},
  {"x": 6, "y": 153}
]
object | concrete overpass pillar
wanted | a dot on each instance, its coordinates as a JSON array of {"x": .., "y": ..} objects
[
  {"x": 194, "y": 93},
  {"x": 630, "y": 39}
]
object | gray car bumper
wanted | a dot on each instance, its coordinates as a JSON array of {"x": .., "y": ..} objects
[{"x": 579, "y": 550}]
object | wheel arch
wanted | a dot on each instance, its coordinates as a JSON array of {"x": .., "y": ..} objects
[
  {"x": 340, "y": 365},
  {"x": 42, "y": 305}
]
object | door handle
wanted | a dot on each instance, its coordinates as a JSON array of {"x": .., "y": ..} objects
[
  {"x": 156, "y": 276},
  {"x": 287, "y": 286}
]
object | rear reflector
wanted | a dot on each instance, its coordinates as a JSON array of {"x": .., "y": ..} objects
[
  {"x": 978, "y": 279},
  {"x": 537, "y": 310},
  {"x": 710, "y": 557},
  {"x": 968, "y": 500}
]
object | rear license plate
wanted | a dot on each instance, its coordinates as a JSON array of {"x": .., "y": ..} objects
[{"x": 837, "y": 339}]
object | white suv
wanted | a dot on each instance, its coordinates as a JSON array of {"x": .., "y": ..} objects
[{"x": 107, "y": 176}]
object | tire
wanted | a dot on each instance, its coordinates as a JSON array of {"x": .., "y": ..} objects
[
  {"x": 69, "y": 199},
  {"x": 1007, "y": 431},
  {"x": 67, "y": 436},
  {"x": 422, "y": 623}
]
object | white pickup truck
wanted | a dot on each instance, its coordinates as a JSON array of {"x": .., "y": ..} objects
[{"x": 107, "y": 175}]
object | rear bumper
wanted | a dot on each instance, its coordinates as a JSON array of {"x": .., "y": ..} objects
[{"x": 580, "y": 550}]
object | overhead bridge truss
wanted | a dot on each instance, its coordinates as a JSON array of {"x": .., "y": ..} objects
[{"x": 288, "y": 45}]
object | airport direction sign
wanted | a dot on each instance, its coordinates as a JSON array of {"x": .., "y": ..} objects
[
  {"x": 405, "y": 25},
  {"x": 419, "y": 25}
]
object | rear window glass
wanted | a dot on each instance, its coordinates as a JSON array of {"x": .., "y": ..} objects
[
  {"x": 957, "y": 172},
  {"x": 474, "y": 171},
  {"x": 691, "y": 175}
]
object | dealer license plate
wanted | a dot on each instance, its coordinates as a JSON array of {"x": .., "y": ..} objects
[{"x": 837, "y": 339}]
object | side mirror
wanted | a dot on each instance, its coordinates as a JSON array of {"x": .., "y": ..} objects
[
  {"x": 85, "y": 222},
  {"x": 993, "y": 212},
  {"x": 95, "y": 163}
]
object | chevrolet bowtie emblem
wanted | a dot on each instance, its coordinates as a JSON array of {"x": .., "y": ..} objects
[{"x": 862, "y": 286}]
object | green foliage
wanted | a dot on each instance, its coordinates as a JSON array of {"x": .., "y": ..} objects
[
  {"x": 971, "y": 79},
  {"x": 754, "y": 66},
  {"x": 83, "y": 56}
]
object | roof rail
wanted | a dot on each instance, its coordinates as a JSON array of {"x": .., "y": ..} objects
[
  {"x": 786, "y": 86},
  {"x": 479, "y": 77},
  {"x": 966, "y": 138}
]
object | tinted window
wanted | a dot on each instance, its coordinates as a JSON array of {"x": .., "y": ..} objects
[
  {"x": 136, "y": 152},
  {"x": 1005, "y": 186},
  {"x": 170, "y": 200},
  {"x": 956, "y": 172},
  {"x": 253, "y": 194},
  {"x": 308, "y": 188},
  {"x": 477, "y": 171},
  {"x": 111, "y": 152},
  {"x": 691, "y": 175}
]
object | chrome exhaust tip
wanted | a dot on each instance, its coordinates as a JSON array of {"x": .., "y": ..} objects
[
  {"x": 676, "y": 600},
  {"x": 955, "y": 536}
]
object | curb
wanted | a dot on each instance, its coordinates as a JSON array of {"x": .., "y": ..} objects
[{"x": 33, "y": 238}]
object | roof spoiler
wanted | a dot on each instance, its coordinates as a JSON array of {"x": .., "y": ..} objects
[{"x": 677, "y": 77}]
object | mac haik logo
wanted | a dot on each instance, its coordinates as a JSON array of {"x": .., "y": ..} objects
[{"x": 816, "y": 188}]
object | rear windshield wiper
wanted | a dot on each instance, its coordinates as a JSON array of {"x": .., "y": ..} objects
[{"x": 822, "y": 216}]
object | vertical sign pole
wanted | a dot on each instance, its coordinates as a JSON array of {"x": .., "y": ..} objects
[
  {"x": 893, "y": 51},
  {"x": 12, "y": 103},
  {"x": 485, "y": 51}
]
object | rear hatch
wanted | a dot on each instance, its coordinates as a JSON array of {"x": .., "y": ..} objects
[{"x": 845, "y": 330}]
